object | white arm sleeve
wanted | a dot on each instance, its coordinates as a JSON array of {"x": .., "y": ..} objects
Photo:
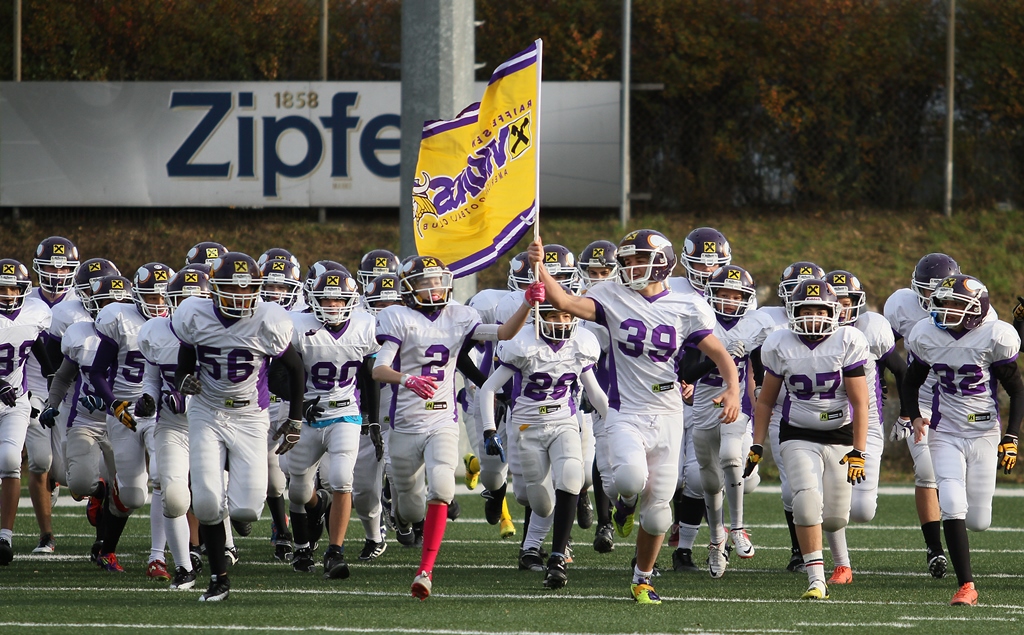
[
  {"x": 386, "y": 354},
  {"x": 597, "y": 397},
  {"x": 486, "y": 333},
  {"x": 485, "y": 395}
]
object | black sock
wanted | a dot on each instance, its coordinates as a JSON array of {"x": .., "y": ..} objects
[
  {"x": 527, "y": 514},
  {"x": 214, "y": 538},
  {"x": 277, "y": 513},
  {"x": 386, "y": 491},
  {"x": 112, "y": 530},
  {"x": 691, "y": 510},
  {"x": 933, "y": 537},
  {"x": 792, "y": 531},
  {"x": 300, "y": 528},
  {"x": 677, "y": 505},
  {"x": 602, "y": 504},
  {"x": 565, "y": 514},
  {"x": 959, "y": 550}
]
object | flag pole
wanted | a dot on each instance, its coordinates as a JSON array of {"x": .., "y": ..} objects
[{"x": 536, "y": 198}]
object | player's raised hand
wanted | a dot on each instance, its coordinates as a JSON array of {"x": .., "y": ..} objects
[{"x": 535, "y": 252}]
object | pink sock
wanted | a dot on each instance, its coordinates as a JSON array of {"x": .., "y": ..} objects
[{"x": 433, "y": 532}]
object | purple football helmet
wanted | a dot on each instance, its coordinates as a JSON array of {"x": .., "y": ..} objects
[
  {"x": 931, "y": 270},
  {"x": 600, "y": 254},
  {"x": 733, "y": 278},
  {"x": 794, "y": 273},
  {"x": 957, "y": 290},
  {"x": 847, "y": 285},
  {"x": 813, "y": 292},
  {"x": 650, "y": 244},
  {"x": 704, "y": 247}
]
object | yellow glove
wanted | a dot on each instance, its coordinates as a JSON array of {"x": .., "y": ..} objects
[
  {"x": 119, "y": 410},
  {"x": 1008, "y": 453},
  {"x": 854, "y": 460}
]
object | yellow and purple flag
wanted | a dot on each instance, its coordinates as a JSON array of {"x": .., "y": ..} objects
[{"x": 477, "y": 185}]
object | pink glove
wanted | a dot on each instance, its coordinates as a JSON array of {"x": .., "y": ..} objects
[
  {"x": 535, "y": 293},
  {"x": 423, "y": 385}
]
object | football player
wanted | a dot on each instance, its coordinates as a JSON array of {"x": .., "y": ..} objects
[
  {"x": 159, "y": 346},
  {"x": 648, "y": 325},
  {"x": 376, "y": 262},
  {"x": 881, "y": 344},
  {"x": 22, "y": 323},
  {"x": 550, "y": 446},
  {"x": 55, "y": 261},
  {"x": 967, "y": 354},
  {"x": 824, "y": 416},
  {"x": 423, "y": 339},
  {"x": 337, "y": 346},
  {"x": 904, "y": 309},
  {"x": 124, "y": 399},
  {"x": 205, "y": 253},
  {"x": 231, "y": 338}
]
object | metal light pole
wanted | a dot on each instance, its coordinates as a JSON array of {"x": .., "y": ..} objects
[
  {"x": 322, "y": 212},
  {"x": 950, "y": 83},
  {"x": 624, "y": 114}
]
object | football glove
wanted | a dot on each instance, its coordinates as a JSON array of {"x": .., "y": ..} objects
[
  {"x": 119, "y": 410},
  {"x": 1008, "y": 453},
  {"x": 1018, "y": 311},
  {"x": 492, "y": 443},
  {"x": 854, "y": 462},
  {"x": 901, "y": 430},
  {"x": 48, "y": 417},
  {"x": 92, "y": 403},
  {"x": 737, "y": 349},
  {"x": 146, "y": 406},
  {"x": 290, "y": 430},
  {"x": 536, "y": 293},
  {"x": 373, "y": 429},
  {"x": 753, "y": 458},
  {"x": 8, "y": 394},
  {"x": 500, "y": 409},
  {"x": 190, "y": 385},
  {"x": 175, "y": 401},
  {"x": 312, "y": 410},
  {"x": 423, "y": 385}
]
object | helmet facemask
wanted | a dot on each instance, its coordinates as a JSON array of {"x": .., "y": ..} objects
[
  {"x": 640, "y": 261},
  {"x": 236, "y": 297},
  {"x": 953, "y": 311},
  {"x": 557, "y": 325},
  {"x": 813, "y": 324},
  {"x": 429, "y": 289}
]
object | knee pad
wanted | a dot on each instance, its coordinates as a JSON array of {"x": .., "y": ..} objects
[
  {"x": 245, "y": 514},
  {"x": 862, "y": 511},
  {"x": 807, "y": 508},
  {"x": 300, "y": 490},
  {"x": 10, "y": 462},
  {"x": 132, "y": 497},
  {"x": 176, "y": 499},
  {"x": 833, "y": 523},
  {"x": 275, "y": 483},
  {"x": 540, "y": 500},
  {"x": 571, "y": 478},
  {"x": 519, "y": 491},
  {"x": 979, "y": 519},
  {"x": 629, "y": 479},
  {"x": 82, "y": 485},
  {"x": 751, "y": 482},
  {"x": 441, "y": 485},
  {"x": 365, "y": 502},
  {"x": 656, "y": 520}
]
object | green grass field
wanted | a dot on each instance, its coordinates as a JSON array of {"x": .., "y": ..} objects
[{"x": 479, "y": 589}]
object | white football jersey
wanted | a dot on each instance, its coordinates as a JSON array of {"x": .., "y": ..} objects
[
  {"x": 119, "y": 324},
  {"x": 682, "y": 284},
  {"x": 881, "y": 343},
  {"x": 601, "y": 334},
  {"x": 67, "y": 313},
  {"x": 233, "y": 353},
  {"x": 507, "y": 306},
  {"x": 79, "y": 344},
  {"x": 752, "y": 329},
  {"x": 486, "y": 301},
  {"x": 159, "y": 346},
  {"x": 646, "y": 337},
  {"x": 545, "y": 373},
  {"x": 35, "y": 382},
  {"x": 812, "y": 374},
  {"x": 332, "y": 359},
  {"x": 964, "y": 401},
  {"x": 427, "y": 345},
  {"x": 18, "y": 331},
  {"x": 775, "y": 318}
]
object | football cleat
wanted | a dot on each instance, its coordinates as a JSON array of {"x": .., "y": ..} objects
[
  {"x": 531, "y": 560},
  {"x": 584, "y": 512},
  {"x": 183, "y": 579},
  {"x": 405, "y": 534},
  {"x": 219, "y": 588},
  {"x": 506, "y": 528},
  {"x": 556, "y": 576},
  {"x": 623, "y": 518},
  {"x": 108, "y": 562},
  {"x": 283, "y": 547},
  {"x": 157, "y": 570},
  {"x": 936, "y": 564},
  {"x": 302, "y": 561},
  {"x": 741, "y": 541},
  {"x": 717, "y": 559},
  {"x": 568, "y": 553},
  {"x": 817, "y": 591},
  {"x": 796, "y": 562},
  {"x": 421, "y": 585},
  {"x": 231, "y": 553},
  {"x": 682, "y": 560},
  {"x": 196, "y": 556},
  {"x": 966, "y": 595},
  {"x": 46, "y": 544},
  {"x": 386, "y": 512},
  {"x": 335, "y": 567},
  {"x": 841, "y": 575},
  {"x": 673, "y": 536},
  {"x": 472, "y": 476},
  {"x": 644, "y": 593},
  {"x": 6, "y": 552},
  {"x": 372, "y": 550},
  {"x": 417, "y": 531},
  {"x": 655, "y": 572},
  {"x": 454, "y": 510},
  {"x": 494, "y": 505},
  {"x": 54, "y": 495},
  {"x": 604, "y": 539}
]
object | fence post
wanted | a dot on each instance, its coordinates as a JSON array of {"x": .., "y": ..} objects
[
  {"x": 321, "y": 216},
  {"x": 950, "y": 84},
  {"x": 624, "y": 211}
]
